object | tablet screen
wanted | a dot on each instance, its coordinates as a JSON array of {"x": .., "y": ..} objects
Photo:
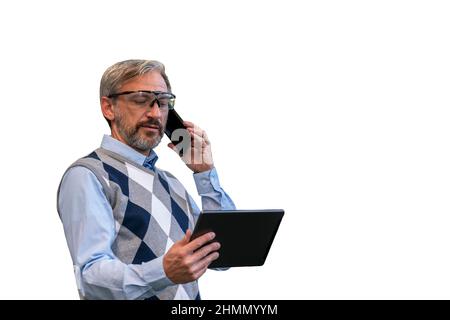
[{"x": 245, "y": 236}]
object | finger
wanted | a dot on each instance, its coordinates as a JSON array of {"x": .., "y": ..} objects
[
  {"x": 204, "y": 251},
  {"x": 200, "y": 133},
  {"x": 188, "y": 124},
  {"x": 200, "y": 273},
  {"x": 177, "y": 148},
  {"x": 196, "y": 150},
  {"x": 197, "y": 140},
  {"x": 199, "y": 136},
  {"x": 191, "y": 125},
  {"x": 200, "y": 241},
  {"x": 204, "y": 263},
  {"x": 197, "y": 132},
  {"x": 205, "y": 137},
  {"x": 187, "y": 237}
]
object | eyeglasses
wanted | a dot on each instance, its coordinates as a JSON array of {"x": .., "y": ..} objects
[{"x": 143, "y": 98}]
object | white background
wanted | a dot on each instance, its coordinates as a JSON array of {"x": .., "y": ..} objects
[{"x": 336, "y": 111}]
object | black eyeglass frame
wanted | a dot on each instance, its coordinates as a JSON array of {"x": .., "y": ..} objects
[{"x": 156, "y": 93}]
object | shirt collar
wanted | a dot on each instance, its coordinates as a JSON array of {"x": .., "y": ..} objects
[{"x": 114, "y": 145}]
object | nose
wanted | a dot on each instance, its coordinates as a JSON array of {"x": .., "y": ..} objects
[{"x": 154, "y": 111}]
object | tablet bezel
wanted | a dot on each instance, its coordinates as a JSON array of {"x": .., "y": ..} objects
[{"x": 240, "y": 233}]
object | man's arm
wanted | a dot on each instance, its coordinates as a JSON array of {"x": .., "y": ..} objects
[
  {"x": 199, "y": 159},
  {"x": 212, "y": 195},
  {"x": 89, "y": 227}
]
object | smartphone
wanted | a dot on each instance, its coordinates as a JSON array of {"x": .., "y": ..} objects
[{"x": 174, "y": 122}]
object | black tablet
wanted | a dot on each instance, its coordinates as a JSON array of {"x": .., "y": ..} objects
[{"x": 245, "y": 235}]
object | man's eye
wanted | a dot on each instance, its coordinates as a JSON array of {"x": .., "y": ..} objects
[{"x": 140, "y": 101}]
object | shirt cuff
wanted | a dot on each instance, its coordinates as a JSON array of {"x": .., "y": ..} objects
[
  {"x": 207, "y": 181},
  {"x": 155, "y": 274}
]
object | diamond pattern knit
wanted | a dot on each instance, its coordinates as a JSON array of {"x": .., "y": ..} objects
[{"x": 150, "y": 209}]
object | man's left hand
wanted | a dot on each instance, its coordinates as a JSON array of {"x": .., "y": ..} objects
[{"x": 197, "y": 155}]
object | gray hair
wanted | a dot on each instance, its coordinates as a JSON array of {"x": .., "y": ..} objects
[{"x": 119, "y": 73}]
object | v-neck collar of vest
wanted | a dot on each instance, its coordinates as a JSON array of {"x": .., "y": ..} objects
[{"x": 123, "y": 159}]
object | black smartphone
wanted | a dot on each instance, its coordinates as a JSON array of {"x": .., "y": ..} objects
[{"x": 174, "y": 122}]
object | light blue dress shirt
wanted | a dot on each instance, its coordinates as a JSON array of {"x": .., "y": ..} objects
[{"x": 89, "y": 227}]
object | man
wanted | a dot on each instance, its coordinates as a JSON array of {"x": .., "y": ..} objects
[{"x": 127, "y": 222}]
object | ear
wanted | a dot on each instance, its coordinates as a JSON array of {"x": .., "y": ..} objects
[{"x": 107, "y": 108}]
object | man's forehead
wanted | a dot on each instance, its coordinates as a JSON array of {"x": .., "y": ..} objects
[{"x": 152, "y": 81}]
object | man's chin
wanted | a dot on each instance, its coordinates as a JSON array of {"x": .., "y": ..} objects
[{"x": 151, "y": 141}]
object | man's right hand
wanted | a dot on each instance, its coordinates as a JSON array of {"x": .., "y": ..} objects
[{"x": 185, "y": 263}]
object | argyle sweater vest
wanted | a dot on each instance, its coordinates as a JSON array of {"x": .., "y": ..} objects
[{"x": 151, "y": 210}]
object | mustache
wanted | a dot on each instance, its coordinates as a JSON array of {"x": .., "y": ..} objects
[{"x": 151, "y": 122}]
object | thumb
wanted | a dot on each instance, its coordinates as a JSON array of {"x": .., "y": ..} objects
[
  {"x": 187, "y": 237},
  {"x": 171, "y": 146}
]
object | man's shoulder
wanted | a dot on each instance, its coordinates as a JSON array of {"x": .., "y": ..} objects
[
  {"x": 82, "y": 180},
  {"x": 79, "y": 175},
  {"x": 88, "y": 167},
  {"x": 87, "y": 172},
  {"x": 91, "y": 161}
]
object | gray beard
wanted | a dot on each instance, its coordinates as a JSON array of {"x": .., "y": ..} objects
[{"x": 132, "y": 137}]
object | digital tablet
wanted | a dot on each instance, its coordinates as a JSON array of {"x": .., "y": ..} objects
[{"x": 245, "y": 236}]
